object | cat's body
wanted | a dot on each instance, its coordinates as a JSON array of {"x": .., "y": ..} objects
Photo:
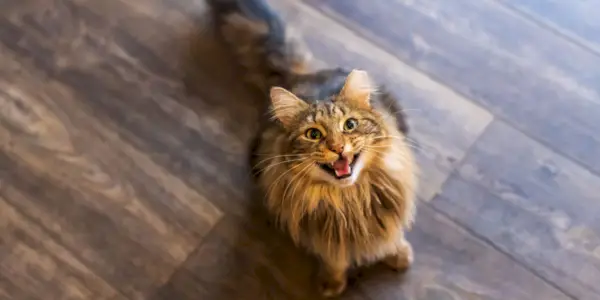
[
  {"x": 356, "y": 223},
  {"x": 337, "y": 173}
]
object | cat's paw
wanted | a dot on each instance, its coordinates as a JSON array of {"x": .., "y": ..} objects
[
  {"x": 332, "y": 287},
  {"x": 402, "y": 260}
]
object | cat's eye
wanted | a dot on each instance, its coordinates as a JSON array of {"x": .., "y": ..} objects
[
  {"x": 350, "y": 124},
  {"x": 313, "y": 134}
]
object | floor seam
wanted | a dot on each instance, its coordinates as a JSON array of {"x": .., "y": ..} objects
[
  {"x": 197, "y": 248},
  {"x": 52, "y": 235},
  {"x": 544, "y": 25},
  {"x": 494, "y": 246}
]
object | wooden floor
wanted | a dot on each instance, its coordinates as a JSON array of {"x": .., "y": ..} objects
[{"x": 124, "y": 131}]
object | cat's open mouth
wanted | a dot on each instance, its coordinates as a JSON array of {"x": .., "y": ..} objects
[{"x": 341, "y": 168}]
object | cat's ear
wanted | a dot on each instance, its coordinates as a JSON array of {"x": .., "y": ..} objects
[
  {"x": 357, "y": 89},
  {"x": 286, "y": 106}
]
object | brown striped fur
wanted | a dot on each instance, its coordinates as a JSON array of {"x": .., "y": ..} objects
[
  {"x": 271, "y": 53},
  {"x": 344, "y": 224},
  {"x": 350, "y": 222}
]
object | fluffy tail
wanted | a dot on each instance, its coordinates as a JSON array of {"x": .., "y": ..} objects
[{"x": 269, "y": 52}]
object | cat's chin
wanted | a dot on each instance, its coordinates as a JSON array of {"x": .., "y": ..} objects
[
  {"x": 347, "y": 181},
  {"x": 340, "y": 182}
]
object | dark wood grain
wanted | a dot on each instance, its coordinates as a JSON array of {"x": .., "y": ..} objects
[
  {"x": 578, "y": 20},
  {"x": 34, "y": 266},
  {"x": 137, "y": 80},
  {"x": 102, "y": 144},
  {"x": 533, "y": 204},
  {"x": 443, "y": 124},
  {"x": 544, "y": 85},
  {"x": 105, "y": 201}
]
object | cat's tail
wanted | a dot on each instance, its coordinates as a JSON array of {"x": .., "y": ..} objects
[{"x": 271, "y": 54}]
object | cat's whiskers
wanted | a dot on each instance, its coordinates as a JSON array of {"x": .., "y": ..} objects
[
  {"x": 405, "y": 139},
  {"x": 279, "y": 163},
  {"x": 379, "y": 154},
  {"x": 382, "y": 137},
  {"x": 408, "y": 138},
  {"x": 387, "y": 146},
  {"x": 414, "y": 147},
  {"x": 299, "y": 207},
  {"x": 378, "y": 146},
  {"x": 270, "y": 154},
  {"x": 298, "y": 175},
  {"x": 297, "y": 183},
  {"x": 401, "y": 109},
  {"x": 275, "y": 182},
  {"x": 281, "y": 156},
  {"x": 382, "y": 155},
  {"x": 414, "y": 142}
]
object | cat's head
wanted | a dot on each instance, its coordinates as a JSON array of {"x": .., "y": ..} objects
[{"x": 333, "y": 141}]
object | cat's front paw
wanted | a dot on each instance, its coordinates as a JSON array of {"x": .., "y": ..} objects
[
  {"x": 332, "y": 287},
  {"x": 402, "y": 260}
]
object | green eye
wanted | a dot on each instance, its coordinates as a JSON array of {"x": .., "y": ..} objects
[
  {"x": 350, "y": 124},
  {"x": 313, "y": 134}
]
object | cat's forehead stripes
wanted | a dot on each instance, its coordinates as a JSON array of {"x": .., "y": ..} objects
[{"x": 325, "y": 111}]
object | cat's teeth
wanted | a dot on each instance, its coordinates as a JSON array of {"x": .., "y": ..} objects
[{"x": 349, "y": 171}]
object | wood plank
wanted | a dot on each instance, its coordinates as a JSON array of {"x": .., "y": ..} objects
[
  {"x": 541, "y": 83},
  {"x": 579, "y": 20},
  {"x": 123, "y": 215},
  {"x": 100, "y": 146},
  {"x": 130, "y": 65},
  {"x": 443, "y": 124},
  {"x": 9, "y": 291},
  {"x": 45, "y": 129},
  {"x": 33, "y": 266},
  {"x": 248, "y": 260},
  {"x": 533, "y": 204}
]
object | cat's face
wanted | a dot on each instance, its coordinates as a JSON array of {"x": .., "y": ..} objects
[
  {"x": 332, "y": 142},
  {"x": 339, "y": 140}
]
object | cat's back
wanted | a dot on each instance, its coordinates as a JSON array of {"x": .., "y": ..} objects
[{"x": 320, "y": 86}]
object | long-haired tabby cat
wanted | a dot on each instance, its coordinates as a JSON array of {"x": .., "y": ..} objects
[{"x": 333, "y": 162}]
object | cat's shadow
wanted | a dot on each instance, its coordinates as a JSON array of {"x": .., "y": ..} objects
[{"x": 243, "y": 256}]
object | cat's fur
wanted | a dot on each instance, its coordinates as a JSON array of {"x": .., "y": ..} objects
[{"x": 356, "y": 220}]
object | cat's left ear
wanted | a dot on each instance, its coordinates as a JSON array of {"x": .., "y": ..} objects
[
  {"x": 286, "y": 106},
  {"x": 357, "y": 89}
]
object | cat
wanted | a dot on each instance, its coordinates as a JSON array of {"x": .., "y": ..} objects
[{"x": 332, "y": 159}]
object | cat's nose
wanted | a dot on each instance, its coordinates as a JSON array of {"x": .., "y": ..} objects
[{"x": 337, "y": 148}]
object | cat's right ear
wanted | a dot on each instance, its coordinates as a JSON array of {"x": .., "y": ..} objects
[
  {"x": 357, "y": 89},
  {"x": 286, "y": 106}
]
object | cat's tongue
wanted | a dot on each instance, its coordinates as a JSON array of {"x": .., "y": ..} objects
[{"x": 341, "y": 167}]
